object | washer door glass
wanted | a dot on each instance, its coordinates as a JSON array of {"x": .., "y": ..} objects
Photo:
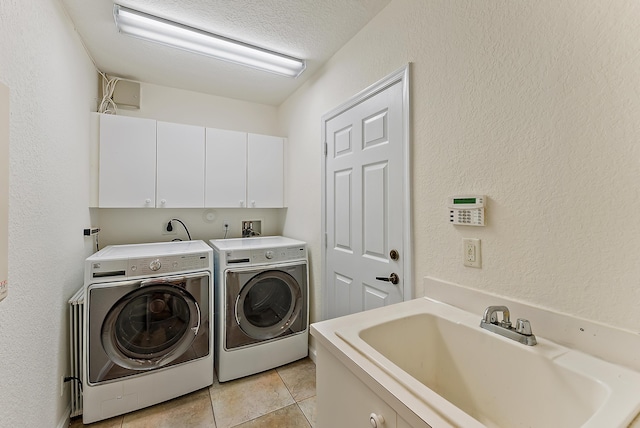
[
  {"x": 151, "y": 326},
  {"x": 268, "y": 304}
]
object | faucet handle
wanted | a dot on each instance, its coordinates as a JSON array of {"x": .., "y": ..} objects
[{"x": 523, "y": 327}]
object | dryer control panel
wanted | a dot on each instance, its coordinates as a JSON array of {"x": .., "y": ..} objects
[
  {"x": 272, "y": 255},
  {"x": 258, "y": 256}
]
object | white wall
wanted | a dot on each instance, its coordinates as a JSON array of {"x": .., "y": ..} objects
[
  {"x": 194, "y": 108},
  {"x": 52, "y": 87},
  {"x": 125, "y": 226},
  {"x": 131, "y": 225},
  {"x": 535, "y": 104}
]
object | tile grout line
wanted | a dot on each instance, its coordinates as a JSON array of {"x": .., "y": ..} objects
[
  {"x": 294, "y": 399},
  {"x": 213, "y": 412},
  {"x": 304, "y": 414}
]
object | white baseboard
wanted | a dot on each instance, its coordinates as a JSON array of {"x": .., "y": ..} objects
[{"x": 66, "y": 418}]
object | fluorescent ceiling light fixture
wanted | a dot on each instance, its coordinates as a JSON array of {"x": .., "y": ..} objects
[{"x": 169, "y": 33}]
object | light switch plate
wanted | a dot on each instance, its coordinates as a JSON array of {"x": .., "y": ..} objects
[{"x": 472, "y": 256}]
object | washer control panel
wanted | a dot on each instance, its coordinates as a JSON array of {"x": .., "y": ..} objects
[
  {"x": 109, "y": 270},
  {"x": 168, "y": 264}
]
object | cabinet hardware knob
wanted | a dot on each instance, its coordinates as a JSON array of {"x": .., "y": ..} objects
[{"x": 376, "y": 421}]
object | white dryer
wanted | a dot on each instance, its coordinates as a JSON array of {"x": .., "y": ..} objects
[
  {"x": 147, "y": 332},
  {"x": 262, "y": 304}
]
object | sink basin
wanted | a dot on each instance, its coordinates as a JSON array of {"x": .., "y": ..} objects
[{"x": 475, "y": 378}]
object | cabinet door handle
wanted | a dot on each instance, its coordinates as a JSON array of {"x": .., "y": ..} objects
[
  {"x": 376, "y": 421},
  {"x": 393, "y": 278}
]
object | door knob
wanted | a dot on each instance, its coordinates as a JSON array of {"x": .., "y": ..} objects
[
  {"x": 394, "y": 254},
  {"x": 393, "y": 278}
]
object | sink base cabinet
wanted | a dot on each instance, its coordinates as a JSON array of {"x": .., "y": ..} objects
[{"x": 343, "y": 400}]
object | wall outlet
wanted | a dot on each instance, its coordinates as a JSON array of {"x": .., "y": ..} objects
[
  {"x": 471, "y": 252},
  {"x": 173, "y": 230}
]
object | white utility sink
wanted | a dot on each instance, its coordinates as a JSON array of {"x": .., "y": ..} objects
[{"x": 472, "y": 377}]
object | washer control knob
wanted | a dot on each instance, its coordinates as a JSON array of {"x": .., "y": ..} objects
[
  {"x": 269, "y": 254},
  {"x": 155, "y": 264}
]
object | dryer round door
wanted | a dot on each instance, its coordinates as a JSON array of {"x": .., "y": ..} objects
[
  {"x": 150, "y": 326},
  {"x": 268, "y": 304}
]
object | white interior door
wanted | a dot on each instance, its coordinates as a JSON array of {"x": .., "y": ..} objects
[{"x": 366, "y": 201}]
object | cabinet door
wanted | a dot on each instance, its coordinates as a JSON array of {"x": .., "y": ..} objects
[
  {"x": 127, "y": 177},
  {"x": 226, "y": 169},
  {"x": 265, "y": 171},
  {"x": 343, "y": 400},
  {"x": 180, "y": 166}
]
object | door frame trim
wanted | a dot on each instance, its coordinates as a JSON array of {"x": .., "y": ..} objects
[{"x": 401, "y": 76}]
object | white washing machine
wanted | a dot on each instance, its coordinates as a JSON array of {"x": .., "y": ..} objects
[
  {"x": 262, "y": 304},
  {"x": 147, "y": 325}
]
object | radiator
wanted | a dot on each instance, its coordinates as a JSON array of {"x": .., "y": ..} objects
[{"x": 76, "y": 321}]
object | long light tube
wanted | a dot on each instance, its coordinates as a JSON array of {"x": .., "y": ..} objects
[{"x": 169, "y": 33}]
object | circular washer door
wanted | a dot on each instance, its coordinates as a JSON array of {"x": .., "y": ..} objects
[
  {"x": 150, "y": 327},
  {"x": 268, "y": 304}
]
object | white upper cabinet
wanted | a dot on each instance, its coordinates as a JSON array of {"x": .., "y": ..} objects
[
  {"x": 265, "y": 171},
  {"x": 244, "y": 170},
  {"x": 145, "y": 163},
  {"x": 180, "y": 166},
  {"x": 226, "y": 169},
  {"x": 127, "y": 176}
]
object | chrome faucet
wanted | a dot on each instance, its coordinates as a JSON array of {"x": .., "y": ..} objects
[{"x": 521, "y": 333}]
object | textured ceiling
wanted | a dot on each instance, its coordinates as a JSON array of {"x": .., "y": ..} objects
[{"x": 309, "y": 29}]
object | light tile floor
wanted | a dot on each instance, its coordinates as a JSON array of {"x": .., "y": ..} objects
[{"x": 280, "y": 398}]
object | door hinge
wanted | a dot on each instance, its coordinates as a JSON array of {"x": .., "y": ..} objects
[{"x": 326, "y": 149}]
